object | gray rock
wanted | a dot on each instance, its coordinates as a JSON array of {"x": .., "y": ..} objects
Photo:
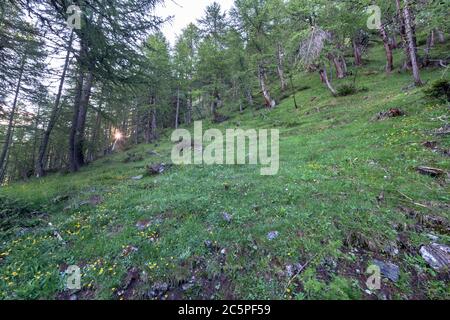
[
  {"x": 293, "y": 269},
  {"x": 272, "y": 235},
  {"x": 137, "y": 178},
  {"x": 437, "y": 256},
  {"x": 208, "y": 244},
  {"x": 158, "y": 290},
  {"x": 388, "y": 269}
]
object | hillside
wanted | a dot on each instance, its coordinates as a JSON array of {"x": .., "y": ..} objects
[{"x": 347, "y": 193}]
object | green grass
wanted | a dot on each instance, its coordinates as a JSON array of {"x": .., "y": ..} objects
[{"x": 335, "y": 162}]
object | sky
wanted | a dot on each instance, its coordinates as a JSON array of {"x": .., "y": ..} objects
[{"x": 185, "y": 12}]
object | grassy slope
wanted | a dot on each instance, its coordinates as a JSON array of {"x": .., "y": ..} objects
[{"x": 335, "y": 161}]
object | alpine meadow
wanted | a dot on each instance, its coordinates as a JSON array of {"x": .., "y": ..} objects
[{"x": 230, "y": 150}]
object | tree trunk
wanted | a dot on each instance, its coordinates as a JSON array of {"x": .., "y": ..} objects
[
  {"x": 249, "y": 97},
  {"x": 81, "y": 122},
  {"x": 9, "y": 132},
  {"x": 265, "y": 90},
  {"x": 430, "y": 44},
  {"x": 293, "y": 90},
  {"x": 73, "y": 130},
  {"x": 357, "y": 53},
  {"x": 411, "y": 42},
  {"x": 177, "y": 112},
  {"x": 154, "y": 127},
  {"x": 402, "y": 31},
  {"x": 387, "y": 49},
  {"x": 337, "y": 65},
  {"x": 324, "y": 77},
  {"x": 40, "y": 167},
  {"x": 280, "y": 69},
  {"x": 189, "y": 109},
  {"x": 98, "y": 121}
]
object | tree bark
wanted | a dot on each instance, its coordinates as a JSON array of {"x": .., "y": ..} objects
[
  {"x": 265, "y": 90},
  {"x": 324, "y": 77},
  {"x": 73, "y": 166},
  {"x": 411, "y": 42},
  {"x": 387, "y": 49},
  {"x": 154, "y": 127},
  {"x": 402, "y": 31},
  {"x": 40, "y": 166},
  {"x": 357, "y": 53},
  {"x": 9, "y": 132},
  {"x": 280, "y": 68},
  {"x": 177, "y": 111},
  {"x": 337, "y": 65},
  {"x": 189, "y": 108},
  {"x": 81, "y": 122},
  {"x": 430, "y": 44}
]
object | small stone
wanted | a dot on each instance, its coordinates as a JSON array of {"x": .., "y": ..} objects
[
  {"x": 388, "y": 269},
  {"x": 73, "y": 297},
  {"x": 437, "y": 256},
  {"x": 208, "y": 244},
  {"x": 272, "y": 235},
  {"x": 223, "y": 252},
  {"x": 143, "y": 224},
  {"x": 137, "y": 178},
  {"x": 158, "y": 290}
]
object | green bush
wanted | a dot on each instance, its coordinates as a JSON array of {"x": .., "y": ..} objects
[
  {"x": 438, "y": 90},
  {"x": 346, "y": 90}
]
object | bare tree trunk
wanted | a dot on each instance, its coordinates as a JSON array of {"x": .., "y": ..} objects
[
  {"x": 387, "y": 49},
  {"x": 189, "y": 108},
  {"x": 402, "y": 31},
  {"x": 177, "y": 112},
  {"x": 98, "y": 121},
  {"x": 81, "y": 123},
  {"x": 357, "y": 53},
  {"x": 54, "y": 115},
  {"x": 337, "y": 65},
  {"x": 73, "y": 130},
  {"x": 412, "y": 49},
  {"x": 293, "y": 90},
  {"x": 249, "y": 97},
  {"x": 280, "y": 69},
  {"x": 265, "y": 90},
  {"x": 9, "y": 132},
  {"x": 430, "y": 44},
  {"x": 324, "y": 77},
  {"x": 154, "y": 127}
]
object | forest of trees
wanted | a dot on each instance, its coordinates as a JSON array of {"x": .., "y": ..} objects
[{"x": 66, "y": 94}]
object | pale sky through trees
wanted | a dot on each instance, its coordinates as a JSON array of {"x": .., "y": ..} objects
[{"x": 185, "y": 12}]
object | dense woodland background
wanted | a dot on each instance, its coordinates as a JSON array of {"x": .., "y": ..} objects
[{"x": 67, "y": 95}]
